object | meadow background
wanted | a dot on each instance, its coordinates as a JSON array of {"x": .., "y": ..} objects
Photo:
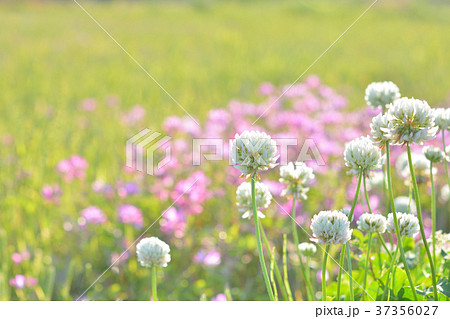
[{"x": 205, "y": 53}]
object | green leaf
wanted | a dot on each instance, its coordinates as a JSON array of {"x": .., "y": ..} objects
[
  {"x": 399, "y": 279},
  {"x": 443, "y": 288}
]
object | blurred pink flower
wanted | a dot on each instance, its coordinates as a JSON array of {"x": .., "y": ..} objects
[
  {"x": 73, "y": 168},
  {"x": 210, "y": 258},
  {"x": 266, "y": 88},
  {"x": 17, "y": 258},
  {"x": 173, "y": 221},
  {"x": 129, "y": 214},
  {"x": 51, "y": 193},
  {"x": 219, "y": 297},
  {"x": 89, "y": 104},
  {"x": 20, "y": 281},
  {"x": 92, "y": 215},
  {"x": 134, "y": 116}
]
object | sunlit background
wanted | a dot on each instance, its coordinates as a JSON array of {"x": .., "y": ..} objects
[{"x": 67, "y": 88}]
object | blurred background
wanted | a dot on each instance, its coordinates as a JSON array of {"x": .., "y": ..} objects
[{"x": 67, "y": 89}]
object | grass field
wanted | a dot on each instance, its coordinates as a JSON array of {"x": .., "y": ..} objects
[{"x": 205, "y": 54}]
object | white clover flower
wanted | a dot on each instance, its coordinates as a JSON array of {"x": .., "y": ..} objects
[
  {"x": 244, "y": 198},
  {"x": 253, "y": 151},
  {"x": 410, "y": 121},
  {"x": 152, "y": 251},
  {"x": 442, "y": 118},
  {"x": 442, "y": 242},
  {"x": 372, "y": 223},
  {"x": 297, "y": 176},
  {"x": 376, "y": 179},
  {"x": 380, "y": 94},
  {"x": 433, "y": 154},
  {"x": 421, "y": 169},
  {"x": 307, "y": 249},
  {"x": 445, "y": 193},
  {"x": 378, "y": 129},
  {"x": 404, "y": 204},
  {"x": 362, "y": 153},
  {"x": 407, "y": 223},
  {"x": 331, "y": 227},
  {"x": 401, "y": 164}
]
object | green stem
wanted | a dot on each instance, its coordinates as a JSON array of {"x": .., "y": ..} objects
[
  {"x": 433, "y": 213},
  {"x": 277, "y": 270},
  {"x": 366, "y": 195},
  {"x": 388, "y": 282},
  {"x": 154, "y": 284},
  {"x": 274, "y": 286},
  {"x": 397, "y": 228},
  {"x": 419, "y": 216},
  {"x": 285, "y": 272},
  {"x": 324, "y": 272},
  {"x": 309, "y": 289},
  {"x": 366, "y": 267},
  {"x": 445, "y": 158},
  {"x": 346, "y": 246},
  {"x": 350, "y": 276},
  {"x": 258, "y": 241},
  {"x": 341, "y": 265}
]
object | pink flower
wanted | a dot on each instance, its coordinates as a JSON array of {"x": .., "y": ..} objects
[
  {"x": 266, "y": 88},
  {"x": 173, "y": 221},
  {"x": 92, "y": 215},
  {"x": 129, "y": 214},
  {"x": 210, "y": 258},
  {"x": 20, "y": 281},
  {"x": 17, "y": 258},
  {"x": 51, "y": 193},
  {"x": 73, "y": 168},
  {"x": 219, "y": 297},
  {"x": 127, "y": 189},
  {"x": 89, "y": 104},
  {"x": 134, "y": 116}
]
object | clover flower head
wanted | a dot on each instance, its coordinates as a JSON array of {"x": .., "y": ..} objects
[
  {"x": 442, "y": 118},
  {"x": 372, "y": 223},
  {"x": 433, "y": 154},
  {"x": 297, "y": 176},
  {"x": 152, "y": 251},
  {"x": 376, "y": 179},
  {"x": 410, "y": 121},
  {"x": 253, "y": 151},
  {"x": 405, "y": 204},
  {"x": 442, "y": 242},
  {"x": 380, "y": 94},
  {"x": 307, "y": 249},
  {"x": 421, "y": 169},
  {"x": 408, "y": 224},
  {"x": 378, "y": 129},
  {"x": 330, "y": 227},
  {"x": 362, "y": 153},
  {"x": 244, "y": 198}
]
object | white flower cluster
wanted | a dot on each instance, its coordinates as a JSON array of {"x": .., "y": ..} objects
[
  {"x": 433, "y": 154},
  {"x": 372, "y": 223},
  {"x": 307, "y": 249},
  {"x": 378, "y": 129},
  {"x": 362, "y": 153},
  {"x": 410, "y": 121},
  {"x": 152, "y": 251},
  {"x": 442, "y": 242},
  {"x": 244, "y": 198},
  {"x": 253, "y": 151},
  {"x": 408, "y": 224},
  {"x": 442, "y": 118},
  {"x": 376, "y": 179},
  {"x": 421, "y": 168},
  {"x": 297, "y": 176},
  {"x": 404, "y": 204},
  {"x": 381, "y": 94},
  {"x": 330, "y": 227}
]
